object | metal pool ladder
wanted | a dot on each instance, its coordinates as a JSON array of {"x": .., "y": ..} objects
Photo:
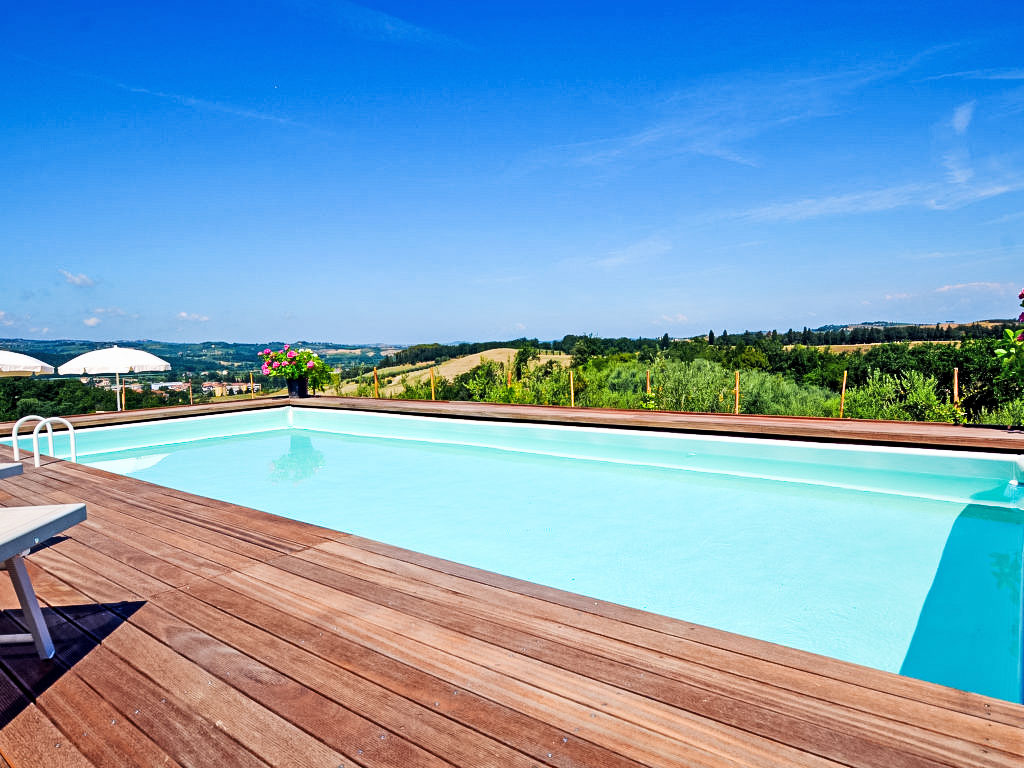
[{"x": 43, "y": 422}]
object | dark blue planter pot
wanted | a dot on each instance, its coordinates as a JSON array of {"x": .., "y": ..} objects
[{"x": 298, "y": 387}]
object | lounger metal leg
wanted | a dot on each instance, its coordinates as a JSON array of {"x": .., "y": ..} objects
[{"x": 30, "y": 608}]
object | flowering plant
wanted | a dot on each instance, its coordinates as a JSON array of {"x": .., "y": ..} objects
[
  {"x": 1010, "y": 350},
  {"x": 296, "y": 364}
]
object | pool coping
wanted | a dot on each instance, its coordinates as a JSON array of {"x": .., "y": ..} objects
[{"x": 804, "y": 428}]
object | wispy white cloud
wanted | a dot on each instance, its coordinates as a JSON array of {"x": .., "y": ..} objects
[
  {"x": 964, "y": 255},
  {"x": 869, "y": 201},
  {"x": 946, "y": 198},
  {"x": 5, "y": 319},
  {"x": 712, "y": 119},
  {"x": 642, "y": 250},
  {"x": 896, "y": 296},
  {"x": 719, "y": 116},
  {"x": 109, "y": 312},
  {"x": 676, "y": 319},
  {"x": 178, "y": 98},
  {"x": 498, "y": 279},
  {"x": 1007, "y": 218},
  {"x": 962, "y": 116},
  {"x": 82, "y": 280},
  {"x": 193, "y": 317},
  {"x": 958, "y": 166},
  {"x": 209, "y": 106},
  {"x": 980, "y": 74},
  {"x": 958, "y": 191},
  {"x": 984, "y": 287},
  {"x": 371, "y": 24},
  {"x": 91, "y": 322}
]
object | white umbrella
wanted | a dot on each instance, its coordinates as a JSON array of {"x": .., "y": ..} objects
[
  {"x": 17, "y": 364},
  {"x": 115, "y": 360}
]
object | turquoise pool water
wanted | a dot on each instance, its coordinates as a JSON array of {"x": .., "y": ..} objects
[{"x": 907, "y": 561}]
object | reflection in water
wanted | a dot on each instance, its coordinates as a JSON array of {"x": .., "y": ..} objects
[
  {"x": 128, "y": 466},
  {"x": 969, "y": 632},
  {"x": 300, "y": 463}
]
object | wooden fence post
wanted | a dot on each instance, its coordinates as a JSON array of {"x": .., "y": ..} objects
[
  {"x": 252, "y": 389},
  {"x": 432, "y": 384},
  {"x": 842, "y": 397},
  {"x": 190, "y": 400},
  {"x": 736, "y": 409},
  {"x": 572, "y": 390},
  {"x": 508, "y": 379},
  {"x": 956, "y": 387},
  {"x": 376, "y": 383},
  {"x": 648, "y": 381}
]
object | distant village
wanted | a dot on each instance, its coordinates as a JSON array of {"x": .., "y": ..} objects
[{"x": 210, "y": 388}]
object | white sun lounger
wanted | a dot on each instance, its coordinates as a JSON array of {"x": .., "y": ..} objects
[
  {"x": 8, "y": 470},
  {"x": 21, "y": 528}
]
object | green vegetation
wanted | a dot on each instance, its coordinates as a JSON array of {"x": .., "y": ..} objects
[
  {"x": 888, "y": 381},
  {"x": 1010, "y": 350},
  {"x": 66, "y": 397},
  {"x": 781, "y": 373}
]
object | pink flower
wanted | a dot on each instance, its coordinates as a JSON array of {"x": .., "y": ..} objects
[
  {"x": 265, "y": 369},
  {"x": 1021, "y": 318},
  {"x": 1021, "y": 294},
  {"x": 277, "y": 364},
  {"x": 291, "y": 353},
  {"x": 286, "y": 347},
  {"x": 1020, "y": 336},
  {"x": 265, "y": 351},
  {"x": 310, "y": 365}
]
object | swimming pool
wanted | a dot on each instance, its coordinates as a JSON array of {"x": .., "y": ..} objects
[{"x": 903, "y": 560}]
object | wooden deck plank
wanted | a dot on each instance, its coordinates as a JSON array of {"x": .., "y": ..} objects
[
  {"x": 729, "y": 704},
  {"x": 713, "y": 693},
  {"x": 387, "y": 739},
  {"x": 634, "y": 725},
  {"x": 230, "y": 637},
  {"x": 165, "y": 718},
  {"x": 531, "y": 736},
  {"x": 917, "y": 690},
  {"x": 257, "y": 527},
  {"x": 31, "y": 740},
  {"x": 679, "y": 659},
  {"x": 96, "y": 585},
  {"x": 151, "y": 539},
  {"x": 96, "y": 729},
  {"x": 214, "y": 535},
  {"x": 275, "y": 739}
]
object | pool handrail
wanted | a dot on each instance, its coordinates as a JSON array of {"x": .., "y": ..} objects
[
  {"x": 17, "y": 426},
  {"x": 46, "y": 423}
]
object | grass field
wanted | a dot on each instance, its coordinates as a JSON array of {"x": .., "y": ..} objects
[
  {"x": 391, "y": 378},
  {"x": 865, "y": 347}
]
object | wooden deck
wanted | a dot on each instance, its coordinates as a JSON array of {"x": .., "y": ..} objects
[{"x": 192, "y": 632}]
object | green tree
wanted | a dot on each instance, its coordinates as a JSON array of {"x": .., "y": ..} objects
[
  {"x": 585, "y": 348},
  {"x": 521, "y": 362}
]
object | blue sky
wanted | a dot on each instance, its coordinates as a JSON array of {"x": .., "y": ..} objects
[{"x": 407, "y": 172}]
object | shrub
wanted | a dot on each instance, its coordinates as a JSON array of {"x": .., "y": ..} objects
[{"x": 908, "y": 397}]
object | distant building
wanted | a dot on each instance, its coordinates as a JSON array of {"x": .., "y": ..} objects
[
  {"x": 222, "y": 388},
  {"x": 170, "y": 386}
]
